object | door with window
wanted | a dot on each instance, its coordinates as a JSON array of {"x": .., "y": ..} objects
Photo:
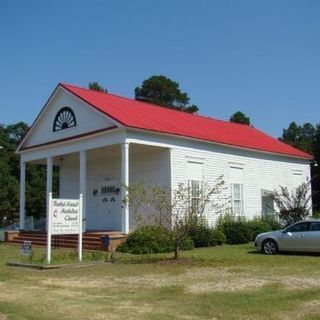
[{"x": 108, "y": 206}]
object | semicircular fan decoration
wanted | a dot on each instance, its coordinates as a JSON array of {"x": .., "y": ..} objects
[{"x": 64, "y": 119}]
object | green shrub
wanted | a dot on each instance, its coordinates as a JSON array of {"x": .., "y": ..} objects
[
  {"x": 123, "y": 247},
  {"x": 271, "y": 220},
  {"x": 187, "y": 244},
  {"x": 200, "y": 234},
  {"x": 293, "y": 206},
  {"x": 234, "y": 228},
  {"x": 217, "y": 238},
  {"x": 240, "y": 230},
  {"x": 237, "y": 232},
  {"x": 148, "y": 239},
  {"x": 257, "y": 227},
  {"x": 205, "y": 236},
  {"x": 227, "y": 218}
]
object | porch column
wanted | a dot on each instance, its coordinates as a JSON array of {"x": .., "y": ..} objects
[
  {"x": 22, "y": 194},
  {"x": 124, "y": 184},
  {"x": 82, "y": 186},
  {"x": 49, "y": 184}
]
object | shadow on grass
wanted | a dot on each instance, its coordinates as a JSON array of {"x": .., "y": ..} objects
[
  {"x": 287, "y": 253},
  {"x": 161, "y": 259},
  {"x": 256, "y": 252}
]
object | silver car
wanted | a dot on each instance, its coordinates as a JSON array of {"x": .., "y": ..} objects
[{"x": 302, "y": 236}]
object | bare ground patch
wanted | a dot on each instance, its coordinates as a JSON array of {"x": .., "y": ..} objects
[
  {"x": 303, "y": 311},
  {"x": 195, "y": 280}
]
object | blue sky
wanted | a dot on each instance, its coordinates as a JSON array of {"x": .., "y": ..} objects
[{"x": 260, "y": 57}]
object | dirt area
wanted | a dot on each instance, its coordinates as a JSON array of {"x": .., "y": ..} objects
[{"x": 195, "y": 280}]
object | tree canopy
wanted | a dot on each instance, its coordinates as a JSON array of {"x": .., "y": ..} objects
[
  {"x": 10, "y": 138},
  {"x": 97, "y": 87},
  {"x": 306, "y": 137},
  {"x": 165, "y": 92},
  {"x": 300, "y": 136},
  {"x": 240, "y": 117}
]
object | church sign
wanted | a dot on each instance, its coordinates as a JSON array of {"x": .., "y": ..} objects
[{"x": 64, "y": 217}]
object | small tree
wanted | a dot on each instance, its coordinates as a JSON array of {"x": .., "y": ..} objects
[
  {"x": 165, "y": 92},
  {"x": 293, "y": 206},
  {"x": 240, "y": 117},
  {"x": 173, "y": 209},
  {"x": 97, "y": 87}
]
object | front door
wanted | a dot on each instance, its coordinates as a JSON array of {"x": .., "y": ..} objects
[{"x": 108, "y": 206}]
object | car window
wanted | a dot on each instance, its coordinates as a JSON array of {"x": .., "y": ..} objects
[
  {"x": 315, "y": 226},
  {"x": 299, "y": 227}
]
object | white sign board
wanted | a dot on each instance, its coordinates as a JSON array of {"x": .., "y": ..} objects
[{"x": 65, "y": 216}]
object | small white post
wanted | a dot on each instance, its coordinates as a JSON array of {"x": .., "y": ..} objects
[
  {"x": 124, "y": 185},
  {"x": 83, "y": 183},
  {"x": 80, "y": 229},
  {"x": 49, "y": 181},
  {"x": 49, "y": 214},
  {"x": 22, "y": 194}
]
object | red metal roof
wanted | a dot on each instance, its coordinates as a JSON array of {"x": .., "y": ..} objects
[{"x": 146, "y": 116}]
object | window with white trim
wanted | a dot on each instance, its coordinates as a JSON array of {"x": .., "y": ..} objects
[
  {"x": 195, "y": 178},
  {"x": 195, "y": 187},
  {"x": 236, "y": 187},
  {"x": 237, "y": 198}
]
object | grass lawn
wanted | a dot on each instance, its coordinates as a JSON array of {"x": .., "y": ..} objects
[{"x": 229, "y": 282}]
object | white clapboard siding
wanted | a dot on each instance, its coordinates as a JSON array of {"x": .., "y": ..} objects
[{"x": 259, "y": 171}]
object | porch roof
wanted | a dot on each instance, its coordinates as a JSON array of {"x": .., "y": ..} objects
[{"x": 146, "y": 116}]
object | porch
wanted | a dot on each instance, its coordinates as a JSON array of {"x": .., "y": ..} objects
[{"x": 101, "y": 175}]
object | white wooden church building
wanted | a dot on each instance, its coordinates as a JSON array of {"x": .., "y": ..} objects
[{"x": 102, "y": 142}]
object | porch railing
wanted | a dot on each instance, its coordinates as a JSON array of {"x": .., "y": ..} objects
[{"x": 30, "y": 224}]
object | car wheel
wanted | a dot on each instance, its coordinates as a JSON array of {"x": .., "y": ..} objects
[{"x": 269, "y": 247}]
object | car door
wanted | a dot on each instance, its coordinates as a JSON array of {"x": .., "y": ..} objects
[
  {"x": 294, "y": 238},
  {"x": 312, "y": 237}
]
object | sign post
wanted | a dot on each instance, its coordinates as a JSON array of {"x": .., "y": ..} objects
[
  {"x": 49, "y": 229},
  {"x": 80, "y": 230},
  {"x": 64, "y": 217}
]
